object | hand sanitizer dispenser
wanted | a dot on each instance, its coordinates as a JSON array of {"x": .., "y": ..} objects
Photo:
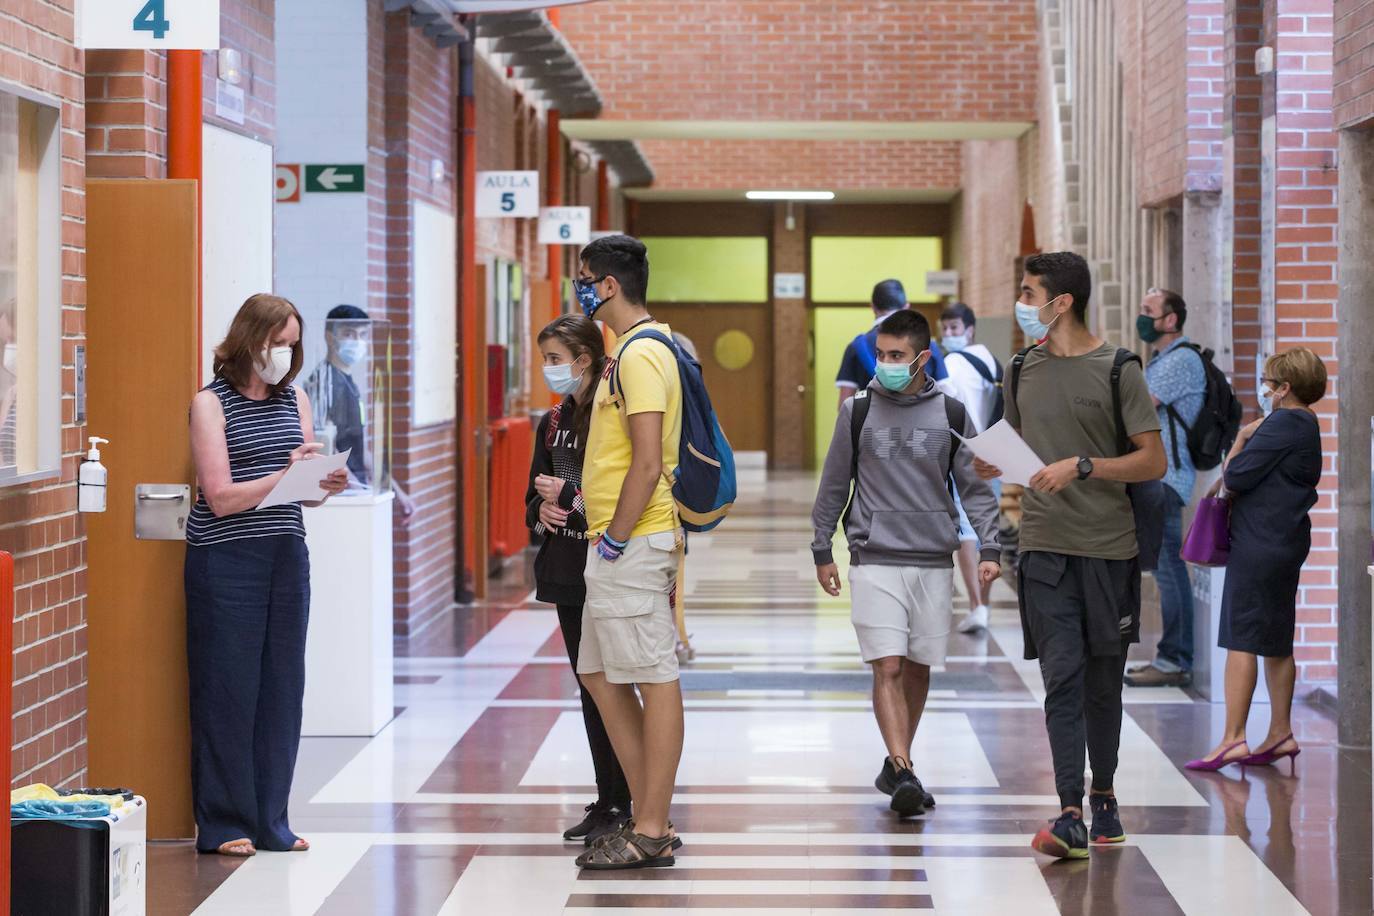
[{"x": 90, "y": 479}]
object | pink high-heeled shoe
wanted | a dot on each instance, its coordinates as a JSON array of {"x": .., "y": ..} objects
[
  {"x": 1265, "y": 758},
  {"x": 1211, "y": 766}
]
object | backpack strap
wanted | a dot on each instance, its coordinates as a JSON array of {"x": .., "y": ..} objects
[
  {"x": 957, "y": 417},
  {"x": 646, "y": 334},
  {"x": 860, "y": 404},
  {"x": 978, "y": 365},
  {"x": 1123, "y": 356},
  {"x": 1017, "y": 362}
]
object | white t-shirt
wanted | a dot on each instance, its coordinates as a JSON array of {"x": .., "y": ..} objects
[{"x": 970, "y": 387}]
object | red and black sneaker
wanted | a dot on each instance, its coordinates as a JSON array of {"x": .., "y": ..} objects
[{"x": 1064, "y": 838}]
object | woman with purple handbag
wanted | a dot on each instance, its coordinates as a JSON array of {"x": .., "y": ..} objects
[{"x": 1271, "y": 476}]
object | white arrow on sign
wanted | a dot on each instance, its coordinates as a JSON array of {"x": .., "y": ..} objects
[{"x": 330, "y": 179}]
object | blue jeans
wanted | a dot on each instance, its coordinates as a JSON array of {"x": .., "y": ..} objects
[{"x": 1175, "y": 651}]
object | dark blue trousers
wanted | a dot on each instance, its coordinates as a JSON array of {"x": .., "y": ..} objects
[{"x": 247, "y": 603}]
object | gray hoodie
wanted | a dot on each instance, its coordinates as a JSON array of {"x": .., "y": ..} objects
[{"x": 903, "y": 513}]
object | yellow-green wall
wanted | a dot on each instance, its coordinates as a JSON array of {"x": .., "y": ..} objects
[
  {"x": 835, "y": 327},
  {"x": 845, "y": 268},
  {"x": 708, "y": 269}
]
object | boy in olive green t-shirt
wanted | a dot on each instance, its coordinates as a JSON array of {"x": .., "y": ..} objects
[{"x": 1079, "y": 573}]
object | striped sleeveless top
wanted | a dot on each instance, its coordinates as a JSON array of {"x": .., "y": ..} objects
[{"x": 260, "y": 436}]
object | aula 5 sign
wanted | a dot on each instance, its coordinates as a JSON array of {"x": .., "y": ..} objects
[
  {"x": 507, "y": 193},
  {"x": 152, "y": 24}
]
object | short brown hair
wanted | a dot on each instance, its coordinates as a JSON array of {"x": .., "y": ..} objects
[
  {"x": 260, "y": 316},
  {"x": 1302, "y": 369}
]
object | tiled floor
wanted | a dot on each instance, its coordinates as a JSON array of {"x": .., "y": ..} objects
[{"x": 458, "y": 805}]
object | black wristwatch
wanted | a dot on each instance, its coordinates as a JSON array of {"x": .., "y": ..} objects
[{"x": 1085, "y": 468}]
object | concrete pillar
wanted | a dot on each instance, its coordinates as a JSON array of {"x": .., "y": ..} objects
[
  {"x": 791, "y": 331},
  {"x": 1203, "y": 257},
  {"x": 1355, "y": 320}
]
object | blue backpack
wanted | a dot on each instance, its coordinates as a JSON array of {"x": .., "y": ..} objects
[{"x": 704, "y": 482}]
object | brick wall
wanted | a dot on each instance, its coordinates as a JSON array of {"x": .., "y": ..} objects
[
  {"x": 825, "y": 164},
  {"x": 38, "y": 522},
  {"x": 1354, "y": 61},
  {"x": 989, "y": 220},
  {"x": 247, "y": 26},
  {"x": 1305, "y": 289},
  {"x": 939, "y": 60},
  {"x": 126, "y": 114},
  {"x": 419, "y": 125}
]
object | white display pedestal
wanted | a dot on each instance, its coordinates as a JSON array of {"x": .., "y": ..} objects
[
  {"x": 348, "y": 650},
  {"x": 1209, "y": 661}
]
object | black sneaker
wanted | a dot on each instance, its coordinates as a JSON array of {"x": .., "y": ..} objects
[
  {"x": 1065, "y": 838},
  {"x": 886, "y": 783},
  {"x": 1106, "y": 820},
  {"x": 600, "y": 819}
]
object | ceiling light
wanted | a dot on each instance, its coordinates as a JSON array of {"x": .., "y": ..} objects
[{"x": 790, "y": 195}]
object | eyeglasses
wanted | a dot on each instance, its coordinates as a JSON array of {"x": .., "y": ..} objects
[{"x": 591, "y": 281}]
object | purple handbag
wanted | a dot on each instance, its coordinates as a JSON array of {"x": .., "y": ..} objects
[{"x": 1208, "y": 542}]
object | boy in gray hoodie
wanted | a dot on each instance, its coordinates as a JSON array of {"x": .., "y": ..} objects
[{"x": 903, "y": 529}]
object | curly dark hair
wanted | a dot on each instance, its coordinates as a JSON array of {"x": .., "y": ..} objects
[{"x": 1064, "y": 272}]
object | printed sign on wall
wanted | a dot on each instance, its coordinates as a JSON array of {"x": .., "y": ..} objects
[
  {"x": 942, "y": 283},
  {"x": 152, "y": 24},
  {"x": 565, "y": 225},
  {"x": 507, "y": 193}
]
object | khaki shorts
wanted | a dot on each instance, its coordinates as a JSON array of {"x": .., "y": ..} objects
[
  {"x": 902, "y": 611},
  {"x": 627, "y": 624}
]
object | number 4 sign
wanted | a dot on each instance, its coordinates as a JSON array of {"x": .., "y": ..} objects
[{"x": 160, "y": 24}]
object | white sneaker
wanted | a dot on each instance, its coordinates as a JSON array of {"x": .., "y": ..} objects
[{"x": 975, "y": 620}]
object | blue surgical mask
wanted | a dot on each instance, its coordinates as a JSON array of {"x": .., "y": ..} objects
[
  {"x": 1266, "y": 401},
  {"x": 954, "y": 342},
  {"x": 895, "y": 376},
  {"x": 1028, "y": 316},
  {"x": 587, "y": 297},
  {"x": 560, "y": 379},
  {"x": 350, "y": 351}
]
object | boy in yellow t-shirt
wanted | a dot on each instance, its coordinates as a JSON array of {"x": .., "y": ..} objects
[{"x": 628, "y": 635}]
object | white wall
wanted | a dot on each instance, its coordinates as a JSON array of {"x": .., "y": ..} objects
[
  {"x": 434, "y": 292},
  {"x": 322, "y": 119},
  {"x": 236, "y": 223}
]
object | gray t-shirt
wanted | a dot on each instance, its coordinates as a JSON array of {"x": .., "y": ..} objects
[{"x": 1063, "y": 408}]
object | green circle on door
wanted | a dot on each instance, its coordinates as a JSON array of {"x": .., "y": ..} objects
[{"x": 734, "y": 350}]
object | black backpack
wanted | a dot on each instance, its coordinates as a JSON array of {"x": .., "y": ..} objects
[
  {"x": 955, "y": 416},
  {"x": 994, "y": 378},
  {"x": 1218, "y": 422}
]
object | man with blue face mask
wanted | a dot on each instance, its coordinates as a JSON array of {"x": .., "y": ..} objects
[
  {"x": 1081, "y": 405},
  {"x": 890, "y": 462},
  {"x": 339, "y": 412}
]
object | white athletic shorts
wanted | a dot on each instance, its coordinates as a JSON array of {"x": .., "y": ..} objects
[{"x": 902, "y": 611}]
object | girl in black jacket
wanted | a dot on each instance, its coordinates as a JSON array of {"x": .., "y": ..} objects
[{"x": 574, "y": 357}]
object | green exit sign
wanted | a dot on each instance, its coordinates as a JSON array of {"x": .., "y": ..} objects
[{"x": 333, "y": 178}]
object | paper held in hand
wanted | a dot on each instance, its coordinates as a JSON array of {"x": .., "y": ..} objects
[
  {"x": 301, "y": 483},
  {"x": 1002, "y": 447}
]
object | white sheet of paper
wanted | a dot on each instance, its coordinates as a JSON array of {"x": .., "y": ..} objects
[
  {"x": 1002, "y": 447},
  {"x": 302, "y": 481}
]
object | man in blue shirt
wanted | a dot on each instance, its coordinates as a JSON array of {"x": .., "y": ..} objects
[
  {"x": 861, "y": 355},
  {"x": 1177, "y": 380}
]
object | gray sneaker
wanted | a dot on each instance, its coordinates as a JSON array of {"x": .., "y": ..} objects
[{"x": 1150, "y": 676}]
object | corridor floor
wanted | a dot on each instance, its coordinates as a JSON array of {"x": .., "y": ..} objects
[{"x": 458, "y": 805}]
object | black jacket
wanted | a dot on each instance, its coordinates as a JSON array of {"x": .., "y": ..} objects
[{"x": 562, "y": 556}]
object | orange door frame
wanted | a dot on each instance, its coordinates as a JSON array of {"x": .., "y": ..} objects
[{"x": 184, "y": 159}]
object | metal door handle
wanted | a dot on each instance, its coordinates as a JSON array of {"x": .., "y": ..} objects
[{"x": 163, "y": 496}]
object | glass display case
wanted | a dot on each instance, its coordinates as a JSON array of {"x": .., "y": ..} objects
[{"x": 350, "y": 400}]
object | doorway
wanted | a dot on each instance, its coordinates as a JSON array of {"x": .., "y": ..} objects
[{"x": 734, "y": 346}]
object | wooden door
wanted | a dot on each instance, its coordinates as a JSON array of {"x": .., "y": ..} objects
[
  {"x": 735, "y": 346},
  {"x": 141, "y": 328}
]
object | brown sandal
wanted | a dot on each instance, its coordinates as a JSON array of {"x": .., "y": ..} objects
[
  {"x": 237, "y": 849},
  {"x": 627, "y": 849},
  {"x": 629, "y": 825}
]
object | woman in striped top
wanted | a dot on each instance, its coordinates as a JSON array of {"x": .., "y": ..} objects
[{"x": 248, "y": 584}]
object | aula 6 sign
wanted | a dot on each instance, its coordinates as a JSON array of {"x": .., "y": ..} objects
[
  {"x": 151, "y": 24},
  {"x": 507, "y": 193}
]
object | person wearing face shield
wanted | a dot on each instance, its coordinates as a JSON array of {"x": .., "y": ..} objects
[
  {"x": 887, "y": 478},
  {"x": 247, "y": 579},
  {"x": 1083, "y": 407},
  {"x": 340, "y": 421}
]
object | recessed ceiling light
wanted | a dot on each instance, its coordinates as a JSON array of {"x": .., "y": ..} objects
[{"x": 790, "y": 195}]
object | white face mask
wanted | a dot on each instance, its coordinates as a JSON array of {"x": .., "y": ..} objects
[
  {"x": 12, "y": 359},
  {"x": 1266, "y": 400},
  {"x": 350, "y": 351},
  {"x": 955, "y": 342},
  {"x": 273, "y": 364},
  {"x": 560, "y": 379}
]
